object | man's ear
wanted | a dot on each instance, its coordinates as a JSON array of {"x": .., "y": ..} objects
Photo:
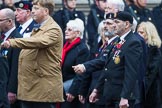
[
  {"x": 127, "y": 24},
  {"x": 46, "y": 10}
]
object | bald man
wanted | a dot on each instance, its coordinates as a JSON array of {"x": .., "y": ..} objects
[{"x": 9, "y": 31}]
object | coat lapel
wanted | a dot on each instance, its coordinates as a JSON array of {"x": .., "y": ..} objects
[
  {"x": 114, "y": 49},
  {"x": 110, "y": 48}
]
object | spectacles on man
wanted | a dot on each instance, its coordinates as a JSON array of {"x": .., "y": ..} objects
[
  {"x": 4, "y": 19},
  {"x": 102, "y": 0}
]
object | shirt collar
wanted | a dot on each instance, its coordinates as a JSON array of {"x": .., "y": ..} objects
[
  {"x": 110, "y": 40},
  {"x": 7, "y": 34},
  {"x": 25, "y": 25},
  {"x": 123, "y": 36},
  {"x": 44, "y": 22}
]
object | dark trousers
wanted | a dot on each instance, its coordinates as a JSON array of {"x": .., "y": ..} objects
[
  {"x": 93, "y": 105},
  {"x": 15, "y": 105},
  {"x": 27, "y": 104},
  {"x": 115, "y": 104},
  {"x": 74, "y": 104},
  {"x": 139, "y": 105}
]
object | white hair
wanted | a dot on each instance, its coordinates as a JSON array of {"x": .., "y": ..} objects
[
  {"x": 118, "y": 4},
  {"x": 77, "y": 24},
  {"x": 134, "y": 25},
  {"x": 100, "y": 27}
]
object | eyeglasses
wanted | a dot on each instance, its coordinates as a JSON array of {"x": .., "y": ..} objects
[
  {"x": 72, "y": 0},
  {"x": 102, "y": 0},
  {"x": 69, "y": 29},
  {"x": 4, "y": 19}
]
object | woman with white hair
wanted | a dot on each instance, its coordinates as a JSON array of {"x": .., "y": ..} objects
[
  {"x": 148, "y": 31},
  {"x": 74, "y": 52}
]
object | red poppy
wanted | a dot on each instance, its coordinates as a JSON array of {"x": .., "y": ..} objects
[
  {"x": 26, "y": 6},
  {"x": 118, "y": 46}
]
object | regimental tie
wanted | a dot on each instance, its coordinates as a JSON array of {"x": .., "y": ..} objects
[
  {"x": 4, "y": 51},
  {"x": 2, "y": 38},
  {"x": 19, "y": 28}
]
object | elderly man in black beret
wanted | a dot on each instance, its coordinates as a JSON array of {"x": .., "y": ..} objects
[
  {"x": 109, "y": 38},
  {"x": 24, "y": 18},
  {"x": 119, "y": 69}
]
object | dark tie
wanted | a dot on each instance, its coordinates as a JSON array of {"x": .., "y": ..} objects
[
  {"x": 118, "y": 39},
  {"x": 105, "y": 45},
  {"x": 2, "y": 38},
  {"x": 19, "y": 29}
]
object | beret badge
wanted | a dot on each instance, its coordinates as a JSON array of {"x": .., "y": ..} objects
[{"x": 21, "y": 5}]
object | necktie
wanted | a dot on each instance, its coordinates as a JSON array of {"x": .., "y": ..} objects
[
  {"x": 105, "y": 45},
  {"x": 118, "y": 39},
  {"x": 2, "y": 38},
  {"x": 19, "y": 29}
]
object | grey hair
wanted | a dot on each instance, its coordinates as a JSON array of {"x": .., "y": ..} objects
[
  {"x": 118, "y": 4},
  {"x": 9, "y": 13},
  {"x": 77, "y": 24},
  {"x": 100, "y": 26}
]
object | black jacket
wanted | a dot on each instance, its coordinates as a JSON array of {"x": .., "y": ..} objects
[
  {"x": 90, "y": 79},
  {"x": 119, "y": 79},
  {"x": 77, "y": 55},
  {"x": 4, "y": 70},
  {"x": 12, "y": 57}
]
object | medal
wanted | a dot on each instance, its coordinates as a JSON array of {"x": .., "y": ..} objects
[{"x": 117, "y": 60}]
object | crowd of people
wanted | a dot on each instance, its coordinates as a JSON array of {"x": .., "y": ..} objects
[{"x": 61, "y": 60}]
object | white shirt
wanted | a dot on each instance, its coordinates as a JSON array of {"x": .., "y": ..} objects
[
  {"x": 7, "y": 34},
  {"x": 123, "y": 36},
  {"x": 110, "y": 40},
  {"x": 24, "y": 26}
]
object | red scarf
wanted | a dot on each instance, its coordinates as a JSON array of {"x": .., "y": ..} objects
[{"x": 68, "y": 46}]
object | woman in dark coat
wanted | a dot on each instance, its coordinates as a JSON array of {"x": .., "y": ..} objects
[
  {"x": 152, "y": 92},
  {"x": 74, "y": 52}
]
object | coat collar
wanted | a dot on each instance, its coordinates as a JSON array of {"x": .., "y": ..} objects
[
  {"x": 48, "y": 22},
  {"x": 45, "y": 25}
]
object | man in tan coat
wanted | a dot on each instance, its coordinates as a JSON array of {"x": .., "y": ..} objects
[{"x": 39, "y": 77}]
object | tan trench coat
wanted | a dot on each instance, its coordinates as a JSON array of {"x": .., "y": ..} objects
[{"x": 39, "y": 76}]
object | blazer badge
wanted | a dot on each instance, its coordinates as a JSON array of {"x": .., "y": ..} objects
[{"x": 117, "y": 60}]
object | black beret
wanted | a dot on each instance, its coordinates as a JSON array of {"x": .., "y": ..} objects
[
  {"x": 24, "y": 5},
  {"x": 124, "y": 16},
  {"x": 110, "y": 16}
]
